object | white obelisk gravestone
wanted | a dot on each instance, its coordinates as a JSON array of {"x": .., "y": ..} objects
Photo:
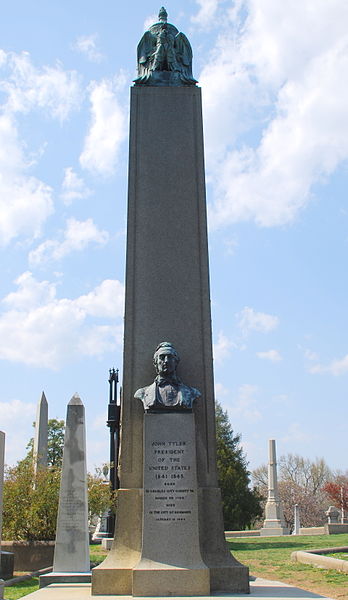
[
  {"x": 167, "y": 299},
  {"x": 71, "y": 554},
  {"x": 41, "y": 434},
  {"x": 274, "y": 523}
]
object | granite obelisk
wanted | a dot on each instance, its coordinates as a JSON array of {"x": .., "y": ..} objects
[
  {"x": 274, "y": 523},
  {"x": 71, "y": 553},
  {"x": 167, "y": 298},
  {"x": 41, "y": 434}
]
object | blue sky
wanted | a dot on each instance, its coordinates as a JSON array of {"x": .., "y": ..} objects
[{"x": 275, "y": 96}]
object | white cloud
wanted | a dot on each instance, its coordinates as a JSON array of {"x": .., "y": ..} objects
[
  {"x": 206, "y": 12},
  {"x": 245, "y": 404},
  {"x": 220, "y": 390},
  {"x": 279, "y": 76},
  {"x": 336, "y": 367},
  {"x": 25, "y": 201},
  {"x": 86, "y": 44},
  {"x": 77, "y": 236},
  {"x": 250, "y": 320},
  {"x": 73, "y": 187},
  {"x": 222, "y": 347},
  {"x": 22, "y": 414},
  {"x": 272, "y": 355},
  {"x": 107, "y": 129},
  {"x": 41, "y": 330},
  {"x": 48, "y": 88},
  {"x": 295, "y": 433}
]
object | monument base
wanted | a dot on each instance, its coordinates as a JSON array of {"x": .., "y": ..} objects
[
  {"x": 273, "y": 527},
  {"x": 155, "y": 579},
  {"x": 49, "y": 578}
]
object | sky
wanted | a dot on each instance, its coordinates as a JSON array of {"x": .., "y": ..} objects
[{"x": 275, "y": 95}]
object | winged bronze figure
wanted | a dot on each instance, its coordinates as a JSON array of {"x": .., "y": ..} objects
[{"x": 164, "y": 55}]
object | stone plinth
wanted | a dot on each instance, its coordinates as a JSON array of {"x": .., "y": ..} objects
[
  {"x": 274, "y": 523},
  {"x": 167, "y": 298},
  {"x": 71, "y": 554},
  {"x": 171, "y": 562}
]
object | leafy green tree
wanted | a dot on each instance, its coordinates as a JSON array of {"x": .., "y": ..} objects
[
  {"x": 55, "y": 443},
  {"x": 241, "y": 505},
  {"x": 30, "y": 512}
]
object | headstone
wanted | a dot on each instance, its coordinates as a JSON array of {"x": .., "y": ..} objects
[
  {"x": 297, "y": 525},
  {"x": 332, "y": 514},
  {"x": 71, "y": 556},
  {"x": 41, "y": 434},
  {"x": 274, "y": 523},
  {"x": 167, "y": 298}
]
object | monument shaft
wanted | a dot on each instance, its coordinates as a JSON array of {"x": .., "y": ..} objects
[{"x": 167, "y": 298}]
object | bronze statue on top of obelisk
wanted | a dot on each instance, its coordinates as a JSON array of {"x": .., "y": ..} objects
[
  {"x": 169, "y": 536},
  {"x": 164, "y": 55}
]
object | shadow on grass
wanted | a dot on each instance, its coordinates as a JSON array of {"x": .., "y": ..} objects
[{"x": 266, "y": 545}]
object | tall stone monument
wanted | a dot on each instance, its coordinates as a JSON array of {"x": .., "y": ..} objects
[
  {"x": 71, "y": 554},
  {"x": 274, "y": 523},
  {"x": 169, "y": 536},
  {"x": 41, "y": 434}
]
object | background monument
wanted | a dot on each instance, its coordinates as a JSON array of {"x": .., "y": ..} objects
[
  {"x": 167, "y": 298},
  {"x": 41, "y": 434},
  {"x": 71, "y": 553},
  {"x": 274, "y": 523}
]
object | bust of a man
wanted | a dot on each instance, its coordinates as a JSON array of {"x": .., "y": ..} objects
[{"x": 167, "y": 392}]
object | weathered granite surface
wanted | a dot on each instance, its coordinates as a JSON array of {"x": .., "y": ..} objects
[
  {"x": 71, "y": 553},
  {"x": 171, "y": 561},
  {"x": 41, "y": 434},
  {"x": 167, "y": 298}
]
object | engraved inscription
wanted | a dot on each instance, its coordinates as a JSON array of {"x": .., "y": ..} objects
[{"x": 169, "y": 481}]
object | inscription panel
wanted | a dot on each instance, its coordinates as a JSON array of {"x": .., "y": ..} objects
[{"x": 170, "y": 526}]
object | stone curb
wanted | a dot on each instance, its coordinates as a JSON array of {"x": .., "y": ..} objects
[
  {"x": 316, "y": 559},
  {"x": 20, "y": 578}
]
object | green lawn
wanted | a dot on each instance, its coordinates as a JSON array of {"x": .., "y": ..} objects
[
  {"x": 266, "y": 557},
  {"x": 270, "y": 558},
  {"x": 21, "y": 589}
]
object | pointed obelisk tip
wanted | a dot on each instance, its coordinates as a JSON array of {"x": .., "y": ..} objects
[
  {"x": 43, "y": 398},
  {"x": 75, "y": 400}
]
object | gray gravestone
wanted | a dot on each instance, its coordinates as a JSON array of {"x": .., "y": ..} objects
[
  {"x": 297, "y": 525},
  {"x": 41, "y": 434},
  {"x": 167, "y": 298},
  {"x": 71, "y": 555},
  {"x": 274, "y": 523}
]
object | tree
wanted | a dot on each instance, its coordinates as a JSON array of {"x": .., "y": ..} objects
[
  {"x": 300, "y": 481},
  {"x": 337, "y": 491},
  {"x": 241, "y": 505},
  {"x": 55, "y": 443}
]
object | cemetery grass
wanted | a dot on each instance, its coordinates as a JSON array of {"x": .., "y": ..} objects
[
  {"x": 270, "y": 558},
  {"x": 21, "y": 589}
]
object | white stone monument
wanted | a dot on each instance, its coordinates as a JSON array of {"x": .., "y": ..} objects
[
  {"x": 274, "y": 523},
  {"x": 41, "y": 434},
  {"x": 71, "y": 556},
  {"x": 297, "y": 525}
]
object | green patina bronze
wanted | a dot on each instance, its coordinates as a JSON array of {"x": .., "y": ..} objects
[{"x": 164, "y": 55}]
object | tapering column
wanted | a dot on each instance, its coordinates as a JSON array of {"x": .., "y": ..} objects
[
  {"x": 274, "y": 523},
  {"x": 41, "y": 434},
  {"x": 71, "y": 554},
  {"x": 167, "y": 299}
]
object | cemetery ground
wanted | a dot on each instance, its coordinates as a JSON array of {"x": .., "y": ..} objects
[{"x": 268, "y": 558}]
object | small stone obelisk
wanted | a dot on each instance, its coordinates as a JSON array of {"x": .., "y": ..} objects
[
  {"x": 41, "y": 434},
  {"x": 297, "y": 525},
  {"x": 71, "y": 556},
  {"x": 274, "y": 523}
]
